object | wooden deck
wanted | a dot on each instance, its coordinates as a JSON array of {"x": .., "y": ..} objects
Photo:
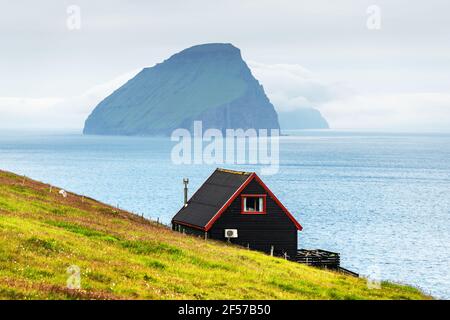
[
  {"x": 318, "y": 258},
  {"x": 322, "y": 259}
]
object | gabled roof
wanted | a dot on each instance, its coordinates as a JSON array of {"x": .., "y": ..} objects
[{"x": 216, "y": 195}]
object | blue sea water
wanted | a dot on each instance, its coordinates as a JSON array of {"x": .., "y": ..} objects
[{"x": 380, "y": 199}]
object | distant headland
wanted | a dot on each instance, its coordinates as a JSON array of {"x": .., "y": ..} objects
[{"x": 209, "y": 83}]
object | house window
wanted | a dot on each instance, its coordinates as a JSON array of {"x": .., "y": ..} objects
[{"x": 253, "y": 204}]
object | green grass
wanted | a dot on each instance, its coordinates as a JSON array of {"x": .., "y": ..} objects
[{"x": 122, "y": 256}]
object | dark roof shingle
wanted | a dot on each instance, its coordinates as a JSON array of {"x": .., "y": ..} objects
[{"x": 210, "y": 197}]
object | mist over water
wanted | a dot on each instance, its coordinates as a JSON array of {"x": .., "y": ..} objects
[{"x": 380, "y": 199}]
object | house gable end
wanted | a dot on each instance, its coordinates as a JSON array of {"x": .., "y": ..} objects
[{"x": 254, "y": 185}]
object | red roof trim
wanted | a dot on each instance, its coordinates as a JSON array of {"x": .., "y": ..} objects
[
  {"x": 286, "y": 211},
  {"x": 227, "y": 204},
  {"x": 236, "y": 194},
  {"x": 188, "y": 225}
]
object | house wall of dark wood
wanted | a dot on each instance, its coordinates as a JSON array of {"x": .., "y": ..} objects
[
  {"x": 188, "y": 230},
  {"x": 258, "y": 231}
]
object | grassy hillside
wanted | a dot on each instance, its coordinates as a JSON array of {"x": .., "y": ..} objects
[{"x": 122, "y": 256}]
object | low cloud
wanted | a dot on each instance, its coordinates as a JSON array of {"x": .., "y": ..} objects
[
  {"x": 26, "y": 112},
  {"x": 56, "y": 112},
  {"x": 406, "y": 111},
  {"x": 291, "y": 86}
]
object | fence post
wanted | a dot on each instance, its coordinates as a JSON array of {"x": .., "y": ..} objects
[{"x": 271, "y": 251}]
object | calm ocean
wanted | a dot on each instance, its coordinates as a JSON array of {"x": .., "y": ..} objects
[{"x": 381, "y": 200}]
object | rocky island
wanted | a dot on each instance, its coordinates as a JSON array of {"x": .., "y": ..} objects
[{"x": 210, "y": 83}]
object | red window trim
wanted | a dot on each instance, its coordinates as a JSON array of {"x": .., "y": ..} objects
[
  {"x": 264, "y": 196},
  {"x": 252, "y": 177}
]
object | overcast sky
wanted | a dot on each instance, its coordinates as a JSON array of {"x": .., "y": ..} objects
[{"x": 306, "y": 54}]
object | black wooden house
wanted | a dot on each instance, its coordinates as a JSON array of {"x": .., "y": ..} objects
[{"x": 238, "y": 207}]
